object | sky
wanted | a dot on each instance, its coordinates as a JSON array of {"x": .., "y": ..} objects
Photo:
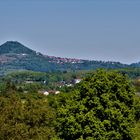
[{"x": 107, "y": 30}]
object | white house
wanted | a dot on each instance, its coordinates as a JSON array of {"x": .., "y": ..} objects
[
  {"x": 57, "y": 92},
  {"x": 76, "y": 81},
  {"x": 46, "y": 93}
]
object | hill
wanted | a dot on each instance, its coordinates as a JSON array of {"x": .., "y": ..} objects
[
  {"x": 15, "y": 56},
  {"x": 14, "y": 47}
]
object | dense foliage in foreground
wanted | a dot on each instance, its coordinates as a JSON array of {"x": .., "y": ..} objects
[
  {"x": 102, "y": 107},
  {"x": 25, "y": 119}
]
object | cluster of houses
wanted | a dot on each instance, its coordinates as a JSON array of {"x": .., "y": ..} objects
[
  {"x": 54, "y": 92},
  {"x": 51, "y": 92},
  {"x": 59, "y": 84},
  {"x": 60, "y": 60}
]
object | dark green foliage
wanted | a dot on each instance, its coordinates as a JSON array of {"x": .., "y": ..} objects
[
  {"x": 131, "y": 72},
  {"x": 26, "y": 119},
  {"x": 102, "y": 108},
  {"x": 7, "y": 87},
  {"x": 136, "y": 130},
  {"x": 56, "y": 101},
  {"x": 137, "y": 107}
]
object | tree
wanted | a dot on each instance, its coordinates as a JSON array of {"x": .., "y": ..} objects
[
  {"x": 101, "y": 108},
  {"x": 26, "y": 119},
  {"x": 136, "y": 135}
]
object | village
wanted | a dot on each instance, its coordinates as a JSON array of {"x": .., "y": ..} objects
[{"x": 56, "y": 86}]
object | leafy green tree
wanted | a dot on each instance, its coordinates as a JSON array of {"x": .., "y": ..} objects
[
  {"x": 137, "y": 107},
  {"x": 39, "y": 118},
  {"x": 12, "y": 119},
  {"x": 26, "y": 119},
  {"x": 136, "y": 130},
  {"x": 101, "y": 108}
]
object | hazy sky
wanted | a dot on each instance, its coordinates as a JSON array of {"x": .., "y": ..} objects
[{"x": 88, "y": 29}]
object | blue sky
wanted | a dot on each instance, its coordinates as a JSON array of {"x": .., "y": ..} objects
[{"x": 107, "y": 30}]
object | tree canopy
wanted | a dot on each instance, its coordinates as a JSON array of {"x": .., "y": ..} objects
[
  {"x": 25, "y": 119},
  {"x": 101, "y": 108}
]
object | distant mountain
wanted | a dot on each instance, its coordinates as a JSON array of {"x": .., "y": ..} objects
[
  {"x": 15, "y": 56},
  {"x": 14, "y": 47}
]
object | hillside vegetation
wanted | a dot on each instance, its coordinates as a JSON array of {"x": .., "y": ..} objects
[{"x": 102, "y": 106}]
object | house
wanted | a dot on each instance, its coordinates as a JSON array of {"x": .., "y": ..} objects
[
  {"x": 69, "y": 85},
  {"x": 50, "y": 92},
  {"x": 76, "y": 81},
  {"x": 43, "y": 92},
  {"x": 53, "y": 92},
  {"x": 46, "y": 93},
  {"x": 57, "y": 92}
]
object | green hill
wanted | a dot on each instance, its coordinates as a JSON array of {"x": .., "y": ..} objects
[{"x": 14, "y": 47}]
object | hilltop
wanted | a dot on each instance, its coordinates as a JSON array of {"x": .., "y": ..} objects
[{"x": 14, "y": 47}]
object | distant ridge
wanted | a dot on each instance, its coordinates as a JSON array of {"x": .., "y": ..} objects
[{"x": 15, "y": 56}]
